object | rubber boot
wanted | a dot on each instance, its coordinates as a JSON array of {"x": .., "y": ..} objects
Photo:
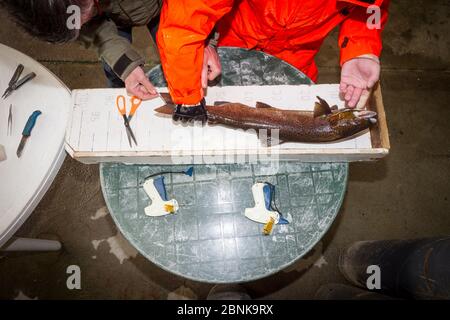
[
  {"x": 228, "y": 292},
  {"x": 418, "y": 269}
]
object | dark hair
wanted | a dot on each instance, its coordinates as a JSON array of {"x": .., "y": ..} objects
[{"x": 44, "y": 19}]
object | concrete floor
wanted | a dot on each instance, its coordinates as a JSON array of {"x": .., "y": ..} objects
[{"x": 403, "y": 196}]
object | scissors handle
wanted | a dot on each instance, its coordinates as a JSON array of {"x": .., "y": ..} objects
[
  {"x": 135, "y": 103},
  {"x": 121, "y": 105}
]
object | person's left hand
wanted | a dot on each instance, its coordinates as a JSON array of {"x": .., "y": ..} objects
[
  {"x": 137, "y": 84},
  {"x": 211, "y": 65},
  {"x": 358, "y": 76}
]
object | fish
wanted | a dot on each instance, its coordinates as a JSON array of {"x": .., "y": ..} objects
[{"x": 324, "y": 124}]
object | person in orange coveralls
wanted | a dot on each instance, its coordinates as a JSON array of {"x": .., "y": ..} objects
[{"x": 292, "y": 30}]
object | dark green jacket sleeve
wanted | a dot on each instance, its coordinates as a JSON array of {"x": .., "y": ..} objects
[{"x": 102, "y": 35}]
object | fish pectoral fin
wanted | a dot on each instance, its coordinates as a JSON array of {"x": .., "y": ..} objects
[
  {"x": 219, "y": 103},
  {"x": 321, "y": 108},
  {"x": 166, "y": 109},
  {"x": 262, "y": 105}
]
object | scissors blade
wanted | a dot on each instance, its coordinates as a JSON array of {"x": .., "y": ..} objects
[
  {"x": 129, "y": 138},
  {"x": 132, "y": 135},
  {"x": 127, "y": 127}
]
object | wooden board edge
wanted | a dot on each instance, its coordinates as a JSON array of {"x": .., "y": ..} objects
[
  {"x": 380, "y": 132},
  {"x": 72, "y": 153},
  {"x": 310, "y": 155}
]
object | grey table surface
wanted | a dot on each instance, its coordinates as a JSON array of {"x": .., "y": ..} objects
[{"x": 209, "y": 239}]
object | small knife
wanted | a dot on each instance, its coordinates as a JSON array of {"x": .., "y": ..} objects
[{"x": 27, "y": 131}]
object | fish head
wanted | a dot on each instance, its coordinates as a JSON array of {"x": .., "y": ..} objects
[{"x": 348, "y": 122}]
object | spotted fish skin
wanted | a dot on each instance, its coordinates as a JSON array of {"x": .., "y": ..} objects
[
  {"x": 291, "y": 125},
  {"x": 328, "y": 125}
]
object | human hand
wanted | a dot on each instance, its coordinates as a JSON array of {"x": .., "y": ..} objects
[
  {"x": 358, "y": 76},
  {"x": 211, "y": 65},
  {"x": 137, "y": 84}
]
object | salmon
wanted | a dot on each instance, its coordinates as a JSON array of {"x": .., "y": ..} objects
[{"x": 324, "y": 124}]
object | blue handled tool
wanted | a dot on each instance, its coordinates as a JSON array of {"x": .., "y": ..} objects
[
  {"x": 156, "y": 190},
  {"x": 189, "y": 172},
  {"x": 27, "y": 131},
  {"x": 161, "y": 187},
  {"x": 160, "y": 205},
  {"x": 265, "y": 210}
]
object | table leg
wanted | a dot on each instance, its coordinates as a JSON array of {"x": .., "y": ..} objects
[{"x": 27, "y": 244}]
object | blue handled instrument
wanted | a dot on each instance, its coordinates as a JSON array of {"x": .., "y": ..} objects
[
  {"x": 265, "y": 210},
  {"x": 160, "y": 205},
  {"x": 161, "y": 187},
  {"x": 27, "y": 131},
  {"x": 156, "y": 190}
]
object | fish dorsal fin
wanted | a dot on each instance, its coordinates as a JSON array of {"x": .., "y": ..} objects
[
  {"x": 321, "y": 108},
  {"x": 219, "y": 103},
  {"x": 262, "y": 105}
]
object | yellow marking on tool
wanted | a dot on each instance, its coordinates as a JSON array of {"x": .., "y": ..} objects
[
  {"x": 268, "y": 226},
  {"x": 169, "y": 208}
]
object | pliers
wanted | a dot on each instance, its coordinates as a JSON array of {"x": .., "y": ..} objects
[{"x": 15, "y": 83}]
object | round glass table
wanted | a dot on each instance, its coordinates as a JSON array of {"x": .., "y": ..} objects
[{"x": 209, "y": 239}]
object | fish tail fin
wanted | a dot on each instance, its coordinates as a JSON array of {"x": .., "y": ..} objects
[
  {"x": 166, "y": 97},
  {"x": 166, "y": 109},
  {"x": 169, "y": 107}
]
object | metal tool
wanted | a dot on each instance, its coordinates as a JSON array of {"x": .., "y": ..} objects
[
  {"x": 135, "y": 103},
  {"x": 156, "y": 190},
  {"x": 15, "y": 83},
  {"x": 122, "y": 107},
  {"x": 2, "y": 153},
  {"x": 189, "y": 172},
  {"x": 160, "y": 205},
  {"x": 265, "y": 210},
  {"x": 9, "y": 128},
  {"x": 27, "y": 131}
]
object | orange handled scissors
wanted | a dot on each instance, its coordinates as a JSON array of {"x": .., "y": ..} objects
[{"x": 122, "y": 107}]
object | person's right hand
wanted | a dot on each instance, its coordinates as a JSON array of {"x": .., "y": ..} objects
[
  {"x": 358, "y": 76},
  {"x": 211, "y": 65},
  {"x": 137, "y": 84}
]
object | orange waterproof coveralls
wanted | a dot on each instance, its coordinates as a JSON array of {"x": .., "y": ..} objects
[{"x": 292, "y": 30}]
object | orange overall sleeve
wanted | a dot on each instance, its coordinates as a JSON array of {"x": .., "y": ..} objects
[
  {"x": 355, "y": 38},
  {"x": 184, "y": 27}
]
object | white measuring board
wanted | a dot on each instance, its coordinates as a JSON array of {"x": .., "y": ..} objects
[{"x": 96, "y": 127}]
